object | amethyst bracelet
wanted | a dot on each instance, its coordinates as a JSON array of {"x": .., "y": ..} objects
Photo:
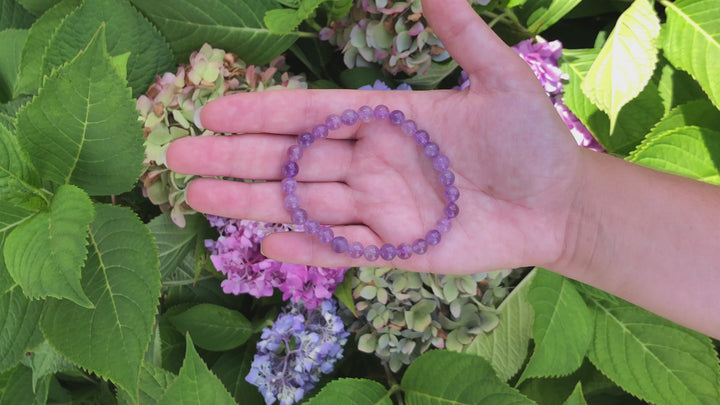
[{"x": 340, "y": 244}]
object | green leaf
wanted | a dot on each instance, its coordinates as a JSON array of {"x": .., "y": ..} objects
[
  {"x": 562, "y": 328},
  {"x": 691, "y": 41},
  {"x": 195, "y": 384},
  {"x": 285, "y": 20},
  {"x": 18, "y": 178},
  {"x": 45, "y": 361},
  {"x": 445, "y": 377},
  {"x": 213, "y": 327},
  {"x": 688, "y": 151},
  {"x": 360, "y": 76},
  {"x": 39, "y": 38},
  {"x": 232, "y": 367},
  {"x": 506, "y": 346},
  {"x": 12, "y": 215},
  {"x": 13, "y": 15},
  {"x": 675, "y": 86},
  {"x": 339, "y": 9},
  {"x": 82, "y": 127},
  {"x": 121, "y": 63},
  {"x": 539, "y": 15},
  {"x": 435, "y": 74},
  {"x": 122, "y": 280},
  {"x": 19, "y": 390},
  {"x": 45, "y": 254},
  {"x": 352, "y": 391},
  {"x": 154, "y": 382},
  {"x": 11, "y": 43},
  {"x": 626, "y": 61},
  {"x": 234, "y": 25},
  {"x": 175, "y": 243},
  {"x": 343, "y": 292},
  {"x": 576, "y": 398},
  {"x": 38, "y": 7},
  {"x": 652, "y": 358},
  {"x": 700, "y": 113}
]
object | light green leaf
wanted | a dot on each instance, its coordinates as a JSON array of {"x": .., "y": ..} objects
[
  {"x": 175, "y": 243},
  {"x": 82, "y": 127},
  {"x": 18, "y": 178},
  {"x": 38, "y": 7},
  {"x": 343, "y": 292},
  {"x": 562, "y": 328},
  {"x": 232, "y": 367},
  {"x": 446, "y": 377},
  {"x": 339, "y": 9},
  {"x": 626, "y": 61},
  {"x": 539, "y": 15},
  {"x": 691, "y": 41},
  {"x": 213, "y": 327},
  {"x": 12, "y": 215},
  {"x": 652, "y": 358},
  {"x": 45, "y": 361},
  {"x": 234, "y": 25},
  {"x": 352, "y": 391},
  {"x": 506, "y": 346},
  {"x": 700, "y": 113},
  {"x": 121, "y": 63},
  {"x": 13, "y": 15},
  {"x": 122, "y": 280},
  {"x": 434, "y": 75},
  {"x": 45, "y": 254},
  {"x": 576, "y": 398},
  {"x": 39, "y": 38},
  {"x": 285, "y": 20},
  {"x": 154, "y": 382},
  {"x": 687, "y": 151},
  {"x": 195, "y": 384},
  {"x": 11, "y": 43}
]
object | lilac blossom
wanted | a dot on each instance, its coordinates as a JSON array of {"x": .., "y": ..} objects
[{"x": 292, "y": 355}]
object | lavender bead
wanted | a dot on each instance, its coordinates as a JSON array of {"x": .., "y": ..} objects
[
  {"x": 404, "y": 251},
  {"x": 366, "y": 113},
  {"x": 292, "y": 201},
  {"x": 339, "y": 244},
  {"x": 421, "y": 137},
  {"x": 320, "y": 131},
  {"x": 433, "y": 237},
  {"x": 443, "y": 225},
  {"x": 349, "y": 117},
  {"x": 409, "y": 127},
  {"x": 388, "y": 251},
  {"x": 451, "y": 193},
  {"x": 420, "y": 246},
  {"x": 312, "y": 227},
  {"x": 441, "y": 162},
  {"x": 325, "y": 235},
  {"x": 451, "y": 210},
  {"x": 288, "y": 185},
  {"x": 298, "y": 216},
  {"x": 333, "y": 121},
  {"x": 381, "y": 112},
  {"x": 431, "y": 149},
  {"x": 305, "y": 139},
  {"x": 397, "y": 117},
  {"x": 446, "y": 178},
  {"x": 371, "y": 253},
  {"x": 290, "y": 169},
  {"x": 294, "y": 153},
  {"x": 356, "y": 250}
]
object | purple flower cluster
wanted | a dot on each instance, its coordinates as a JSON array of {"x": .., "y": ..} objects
[
  {"x": 380, "y": 85},
  {"x": 236, "y": 253},
  {"x": 300, "y": 346}
]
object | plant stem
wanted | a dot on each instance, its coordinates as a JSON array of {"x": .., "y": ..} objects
[
  {"x": 304, "y": 34},
  {"x": 395, "y": 386}
]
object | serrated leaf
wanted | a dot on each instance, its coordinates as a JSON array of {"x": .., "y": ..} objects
[
  {"x": 576, "y": 398},
  {"x": 675, "y": 87},
  {"x": 122, "y": 280},
  {"x": 12, "y": 215},
  {"x": 18, "y": 177},
  {"x": 434, "y": 75},
  {"x": 234, "y": 25},
  {"x": 343, "y": 292},
  {"x": 539, "y": 15},
  {"x": 626, "y": 61},
  {"x": 45, "y": 361},
  {"x": 687, "y": 151},
  {"x": 506, "y": 346},
  {"x": 213, "y": 327},
  {"x": 700, "y": 113},
  {"x": 232, "y": 367},
  {"x": 45, "y": 254},
  {"x": 18, "y": 390},
  {"x": 352, "y": 391},
  {"x": 445, "y": 377},
  {"x": 13, "y": 15},
  {"x": 691, "y": 41},
  {"x": 38, "y": 7},
  {"x": 339, "y": 9},
  {"x": 82, "y": 127},
  {"x": 195, "y": 384},
  {"x": 562, "y": 328},
  {"x": 284, "y": 20},
  {"x": 652, "y": 358},
  {"x": 175, "y": 243},
  {"x": 11, "y": 43},
  {"x": 154, "y": 382}
]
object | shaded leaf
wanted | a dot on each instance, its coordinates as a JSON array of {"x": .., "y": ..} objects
[
  {"x": 435, "y": 74},
  {"x": 175, "y": 243},
  {"x": 19, "y": 391},
  {"x": 13, "y": 15},
  {"x": 352, "y": 392},
  {"x": 539, "y": 15},
  {"x": 11, "y": 43},
  {"x": 38, "y": 7},
  {"x": 343, "y": 292},
  {"x": 339, "y": 9},
  {"x": 213, "y": 327},
  {"x": 700, "y": 113},
  {"x": 121, "y": 279},
  {"x": 232, "y": 367},
  {"x": 45, "y": 361},
  {"x": 675, "y": 86},
  {"x": 154, "y": 382},
  {"x": 12, "y": 215},
  {"x": 18, "y": 178},
  {"x": 576, "y": 398}
]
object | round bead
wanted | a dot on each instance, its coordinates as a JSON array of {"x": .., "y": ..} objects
[
  {"x": 333, "y": 121},
  {"x": 381, "y": 112},
  {"x": 290, "y": 169},
  {"x": 356, "y": 250},
  {"x": 388, "y": 251},
  {"x": 294, "y": 153},
  {"x": 292, "y": 201},
  {"x": 433, "y": 237},
  {"x": 420, "y": 246},
  {"x": 431, "y": 149},
  {"x": 446, "y": 178},
  {"x": 366, "y": 114},
  {"x": 320, "y": 131},
  {"x": 397, "y": 117},
  {"x": 443, "y": 225},
  {"x": 305, "y": 139},
  {"x": 371, "y": 253},
  {"x": 325, "y": 235},
  {"x": 409, "y": 127},
  {"x": 298, "y": 216},
  {"x": 339, "y": 244},
  {"x": 451, "y": 210},
  {"x": 349, "y": 117},
  {"x": 421, "y": 137},
  {"x": 312, "y": 227},
  {"x": 451, "y": 193},
  {"x": 288, "y": 185},
  {"x": 441, "y": 162},
  {"x": 404, "y": 251}
]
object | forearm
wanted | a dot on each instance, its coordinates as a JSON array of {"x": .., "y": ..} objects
[{"x": 648, "y": 237}]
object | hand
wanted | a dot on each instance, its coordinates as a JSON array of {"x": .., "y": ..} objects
[{"x": 515, "y": 162}]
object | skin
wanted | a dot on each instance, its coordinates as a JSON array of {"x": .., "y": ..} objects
[{"x": 528, "y": 194}]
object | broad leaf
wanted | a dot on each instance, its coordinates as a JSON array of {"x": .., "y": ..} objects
[
  {"x": 38, "y": 7},
  {"x": 122, "y": 280},
  {"x": 19, "y": 390},
  {"x": 539, "y": 15},
  {"x": 18, "y": 177},
  {"x": 154, "y": 382},
  {"x": 675, "y": 86},
  {"x": 175, "y": 243},
  {"x": 562, "y": 328},
  {"x": 436, "y": 74},
  {"x": 285, "y": 20},
  {"x": 11, "y": 43},
  {"x": 82, "y": 127},
  {"x": 339, "y": 9},
  {"x": 13, "y": 15},
  {"x": 652, "y": 358},
  {"x": 691, "y": 41},
  {"x": 506, "y": 346},
  {"x": 700, "y": 113},
  {"x": 232, "y": 367},
  {"x": 626, "y": 61},
  {"x": 213, "y": 327},
  {"x": 195, "y": 384},
  {"x": 576, "y": 398},
  {"x": 352, "y": 392},
  {"x": 687, "y": 151},
  {"x": 8, "y": 112},
  {"x": 45, "y": 361},
  {"x": 343, "y": 292},
  {"x": 45, "y": 254},
  {"x": 234, "y": 25}
]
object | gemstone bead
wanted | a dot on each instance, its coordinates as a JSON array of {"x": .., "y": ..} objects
[
  {"x": 371, "y": 253},
  {"x": 404, "y": 251},
  {"x": 349, "y": 117},
  {"x": 298, "y": 216},
  {"x": 443, "y": 225},
  {"x": 356, "y": 250},
  {"x": 381, "y": 112},
  {"x": 333, "y": 122},
  {"x": 305, "y": 139},
  {"x": 294, "y": 153},
  {"x": 431, "y": 149},
  {"x": 288, "y": 185},
  {"x": 339, "y": 244},
  {"x": 320, "y": 131},
  {"x": 325, "y": 235},
  {"x": 433, "y": 237},
  {"x": 441, "y": 162},
  {"x": 451, "y": 193},
  {"x": 312, "y": 227},
  {"x": 290, "y": 169},
  {"x": 409, "y": 127},
  {"x": 397, "y": 117},
  {"x": 421, "y": 137},
  {"x": 388, "y": 251},
  {"x": 446, "y": 178},
  {"x": 292, "y": 201},
  {"x": 451, "y": 210},
  {"x": 420, "y": 246},
  {"x": 366, "y": 114}
]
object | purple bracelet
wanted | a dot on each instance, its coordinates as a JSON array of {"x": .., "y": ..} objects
[{"x": 340, "y": 244}]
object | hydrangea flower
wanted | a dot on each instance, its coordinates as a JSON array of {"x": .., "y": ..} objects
[
  {"x": 380, "y": 85},
  {"x": 296, "y": 351}
]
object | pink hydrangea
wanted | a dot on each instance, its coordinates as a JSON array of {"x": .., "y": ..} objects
[{"x": 542, "y": 57}]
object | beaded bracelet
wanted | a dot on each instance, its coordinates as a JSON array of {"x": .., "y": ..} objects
[{"x": 340, "y": 244}]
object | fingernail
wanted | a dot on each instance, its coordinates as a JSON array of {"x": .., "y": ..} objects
[{"x": 196, "y": 118}]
